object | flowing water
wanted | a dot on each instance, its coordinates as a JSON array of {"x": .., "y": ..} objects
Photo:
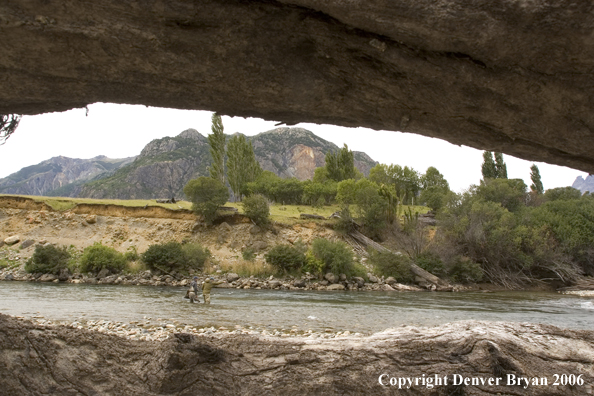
[{"x": 363, "y": 312}]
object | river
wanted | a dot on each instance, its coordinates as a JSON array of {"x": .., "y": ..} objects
[{"x": 362, "y": 312}]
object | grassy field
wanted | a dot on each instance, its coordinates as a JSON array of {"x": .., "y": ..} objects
[{"x": 281, "y": 213}]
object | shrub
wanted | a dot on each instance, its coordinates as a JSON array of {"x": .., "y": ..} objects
[
  {"x": 165, "y": 257},
  {"x": 194, "y": 256},
  {"x": 430, "y": 262},
  {"x": 336, "y": 256},
  {"x": 173, "y": 256},
  {"x": 391, "y": 264},
  {"x": 98, "y": 256},
  {"x": 312, "y": 264},
  {"x": 248, "y": 254},
  {"x": 344, "y": 224},
  {"x": 48, "y": 259},
  {"x": 131, "y": 254},
  {"x": 285, "y": 257},
  {"x": 465, "y": 271},
  {"x": 206, "y": 195},
  {"x": 255, "y": 207}
]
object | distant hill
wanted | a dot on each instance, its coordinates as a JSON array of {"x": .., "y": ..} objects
[
  {"x": 584, "y": 184},
  {"x": 165, "y": 165},
  {"x": 59, "y": 176}
]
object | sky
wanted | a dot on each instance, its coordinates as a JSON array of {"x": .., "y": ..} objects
[{"x": 119, "y": 131}]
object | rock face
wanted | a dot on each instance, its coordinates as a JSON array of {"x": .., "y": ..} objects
[
  {"x": 160, "y": 171},
  {"x": 59, "y": 176},
  {"x": 507, "y": 76},
  {"x": 584, "y": 185},
  {"x": 46, "y": 360},
  {"x": 297, "y": 152}
]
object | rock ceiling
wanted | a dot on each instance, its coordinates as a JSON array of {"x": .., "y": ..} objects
[{"x": 508, "y": 75}]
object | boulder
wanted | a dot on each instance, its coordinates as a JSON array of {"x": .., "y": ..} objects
[
  {"x": 91, "y": 219},
  {"x": 27, "y": 243},
  {"x": 64, "y": 274},
  {"x": 103, "y": 273},
  {"x": 401, "y": 287},
  {"x": 372, "y": 278},
  {"x": 360, "y": 281},
  {"x": 224, "y": 285},
  {"x": 274, "y": 284},
  {"x": 387, "y": 288},
  {"x": 300, "y": 283},
  {"x": 390, "y": 280},
  {"x": 224, "y": 226},
  {"x": 9, "y": 277},
  {"x": 255, "y": 230},
  {"x": 232, "y": 277},
  {"x": 331, "y": 278},
  {"x": 47, "y": 278},
  {"x": 259, "y": 245},
  {"x": 11, "y": 240},
  {"x": 342, "y": 277},
  {"x": 336, "y": 286}
]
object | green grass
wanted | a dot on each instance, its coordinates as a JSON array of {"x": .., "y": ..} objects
[
  {"x": 286, "y": 214},
  {"x": 65, "y": 203}
]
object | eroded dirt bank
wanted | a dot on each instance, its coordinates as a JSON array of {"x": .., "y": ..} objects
[{"x": 37, "y": 360}]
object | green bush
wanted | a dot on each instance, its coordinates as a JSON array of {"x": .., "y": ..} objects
[
  {"x": 48, "y": 259},
  {"x": 248, "y": 254},
  {"x": 430, "y": 262},
  {"x": 165, "y": 257},
  {"x": 312, "y": 264},
  {"x": 285, "y": 257},
  {"x": 206, "y": 195},
  {"x": 344, "y": 224},
  {"x": 255, "y": 207},
  {"x": 195, "y": 255},
  {"x": 390, "y": 264},
  {"x": 173, "y": 256},
  {"x": 131, "y": 254},
  {"x": 465, "y": 271},
  {"x": 336, "y": 256},
  {"x": 98, "y": 256}
]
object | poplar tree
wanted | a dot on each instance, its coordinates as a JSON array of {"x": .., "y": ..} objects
[
  {"x": 216, "y": 141},
  {"x": 500, "y": 166},
  {"x": 536, "y": 182},
  {"x": 242, "y": 166},
  {"x": 488, "y": 168},
  {"x": 341, "y": 164}
]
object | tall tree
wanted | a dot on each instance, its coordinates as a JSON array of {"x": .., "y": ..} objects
[
  {"x": 488, "y": 168},
  {"x": 341, "y": 165},
  {"x": 217, "y": 149},
  {"x": 500, "y": 166},
  {"x": 536, "y": 185},
  {"x": 242, "y": 167}
]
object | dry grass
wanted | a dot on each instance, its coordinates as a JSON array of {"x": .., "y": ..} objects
[{"x": 243, "y": 268}]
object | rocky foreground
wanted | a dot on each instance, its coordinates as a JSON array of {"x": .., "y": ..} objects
[{"x": 467, "y": 358}]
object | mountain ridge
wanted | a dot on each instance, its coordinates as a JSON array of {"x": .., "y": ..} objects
[{"x": 165, "y": 165}]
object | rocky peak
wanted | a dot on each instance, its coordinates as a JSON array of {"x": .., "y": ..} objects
[{"x": 191, "y": 133}]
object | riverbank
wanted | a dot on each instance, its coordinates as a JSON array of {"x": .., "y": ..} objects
[{"x": 44, "y": 359}]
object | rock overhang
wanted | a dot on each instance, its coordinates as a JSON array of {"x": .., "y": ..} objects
[{"x": 512, "y": 76}]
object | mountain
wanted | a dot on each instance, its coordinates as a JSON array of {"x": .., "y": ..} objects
[
  {"x": 297, "y": 152},
  {"x": 165, "y": 166},
  {"x": 160, "y": 171},
  {"x": 584, "y": 185},
  {"x": 59, "y": 176}
]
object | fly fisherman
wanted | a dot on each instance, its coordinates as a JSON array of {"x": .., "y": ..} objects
[
  {"x": 193, "y": 290},
  {"x": 206, "y": 288}
]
